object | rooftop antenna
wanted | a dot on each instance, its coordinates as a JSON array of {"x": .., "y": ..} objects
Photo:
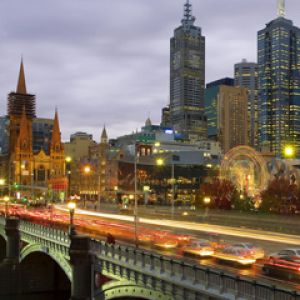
[
  {"x": 188, "y": 19},
  {"x": 281, "y": 8}
]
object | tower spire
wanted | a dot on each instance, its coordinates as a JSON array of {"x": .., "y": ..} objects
[
  {"x": 281, "y": 8},
  {"x": 188, "y": 19},
  {"x": 21, "y": 87},
  {"x": 56, "y": 139}
]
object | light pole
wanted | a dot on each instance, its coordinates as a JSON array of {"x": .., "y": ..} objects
[
  {"x": 161, "y": 162},
  {"x": 68, "y": 168},
  {"x": 87, "y": 170},
  {"x": 2, "y": 183},
  {"x": 135, "y": 198},
  {"x": 289, "y": 151},
  {"x": 6, "y": 200},
  {"x": 72, "y": 207},
  {"x": 206, "y": 201}
]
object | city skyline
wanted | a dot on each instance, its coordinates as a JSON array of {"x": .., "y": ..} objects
[{"x": 71, "y": 60}]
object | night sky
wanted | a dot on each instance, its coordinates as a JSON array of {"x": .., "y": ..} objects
[{"x": 107, "y": 61}]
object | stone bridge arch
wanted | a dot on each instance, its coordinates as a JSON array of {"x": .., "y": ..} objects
[
  {"x": 129, "y": 290},
  {"x": 2, "y": 233},
  {"x": 3, "y": 241},
  {"x": 56, "y": 256}
]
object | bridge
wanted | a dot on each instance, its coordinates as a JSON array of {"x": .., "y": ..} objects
[{"x": 36, "y": 259}]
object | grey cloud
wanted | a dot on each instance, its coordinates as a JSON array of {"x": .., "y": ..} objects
[{"x": 107, "y": 61}]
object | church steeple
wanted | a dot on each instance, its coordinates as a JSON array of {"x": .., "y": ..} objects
[
  {"x": 21, "y": 86},
  {"x": 104, "y": 138},
  {"x": 56, "y": 145}
]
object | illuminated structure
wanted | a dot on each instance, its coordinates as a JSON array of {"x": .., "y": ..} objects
[
  {"x": 246, "y": 168},
  {"x": 246, "y": 75},
  {"x": 27, "y": 165},
  {"x": 279, "y": 84},
  {"x": 187, "y": 77}
]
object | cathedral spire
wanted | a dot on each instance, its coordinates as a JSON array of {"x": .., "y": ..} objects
[
  {"x": 21, "y": 87},
  {"x": 281, "y": 8},
  {"x": 104, "y": 138},
  {"x": 55, "y": 139},
  {"x": 188, "y": 19}
]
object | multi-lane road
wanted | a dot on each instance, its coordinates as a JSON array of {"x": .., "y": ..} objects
[
  {"x": 99, "y": 223},
  {"x": 270, "y": 241}
]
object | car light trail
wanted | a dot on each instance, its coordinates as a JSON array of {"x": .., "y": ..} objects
[{"x": 225, "y": 230}]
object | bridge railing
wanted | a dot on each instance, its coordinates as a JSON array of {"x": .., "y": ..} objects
[
  {"x": 180, "y": 278},
  {"x": 50, "y": 238}
]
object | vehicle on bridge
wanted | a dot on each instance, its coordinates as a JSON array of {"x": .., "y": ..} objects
[
  {"x": 236, "y": 255},
  {"x": 257, "y": 252},
  {"x": 283, "y": 264},
  {"x": 199, "y": 248}
]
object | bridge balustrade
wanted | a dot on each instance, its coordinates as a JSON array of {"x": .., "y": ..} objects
[
  {"x": 172, "y": 277},
  {"x": 180, "y": 278}
]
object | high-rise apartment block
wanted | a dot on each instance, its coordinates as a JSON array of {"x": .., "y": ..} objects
[
  {"x": 279, "y": 85},
  {"x": 187, "y": 78},
  {"x": 246, "y": 75},
  {"x": 226, "y": 109}
]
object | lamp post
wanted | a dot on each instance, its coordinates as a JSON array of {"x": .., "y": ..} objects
[
  {"x": 87, "y": 170},
  {"x": 135, "y": 198},
  {"x": 206, "y": 201},
  {"x": 6, "y": 200},
  {"x": 2, "y": 183},
  {"x": 68, "y": 168},
  {"x": 161, "y": 162},
  {"x": 72, "y": 207},
  {"x": 289, "y": 151}
]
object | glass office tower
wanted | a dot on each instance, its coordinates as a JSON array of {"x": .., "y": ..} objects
[
  {"x": 187, "y": 78},
  {"x": 279, "y": 86}
]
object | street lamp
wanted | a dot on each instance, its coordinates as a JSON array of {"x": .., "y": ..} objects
[
  {"x": 68, "y": 167},
  {"x": 72, "y": 207},
  {"x": 6, "y": 200},
  {"x": 161, "y": 162},
  {"x": 2, "y": 183},
  {"x": 135, "y": 198},
  {"x": 289, "y": 151},
  {"x": 87, "y": 171},
  {"x": 206, "y": 201}
]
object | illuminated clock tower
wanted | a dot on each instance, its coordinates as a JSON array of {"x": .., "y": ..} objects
[{"x": 187, "y": 78}]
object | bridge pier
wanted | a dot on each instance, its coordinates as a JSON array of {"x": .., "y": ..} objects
[
  {"x": 10, "y": 267},
  {"x": 13, "y": 240},
  {"x": 82, "y": 261}
]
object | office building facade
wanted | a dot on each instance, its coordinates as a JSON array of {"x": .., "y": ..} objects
[
  {"x": 246, "y": 75},
  {"x": 187, "y": 78},
  {"x": 226, "y": 109},
  {"x": 279, "y": 85}
]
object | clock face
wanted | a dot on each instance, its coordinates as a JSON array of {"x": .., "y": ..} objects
[{"x": 177, "y": 60}]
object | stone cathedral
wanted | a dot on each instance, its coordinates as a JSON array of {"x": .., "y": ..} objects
[{"x": 35, "y": 161}]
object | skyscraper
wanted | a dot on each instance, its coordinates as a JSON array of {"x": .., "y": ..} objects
[
  {"x": 279, "y": 84},
  {"x": 226, "y": 111},
  {"x": 187, "y": 78},
  {"x": 246, "y": 75}
]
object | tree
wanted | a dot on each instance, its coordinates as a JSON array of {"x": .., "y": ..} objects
[
  {"x": 220, "y": 191},
  {"x": 281, "y": 195}
]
